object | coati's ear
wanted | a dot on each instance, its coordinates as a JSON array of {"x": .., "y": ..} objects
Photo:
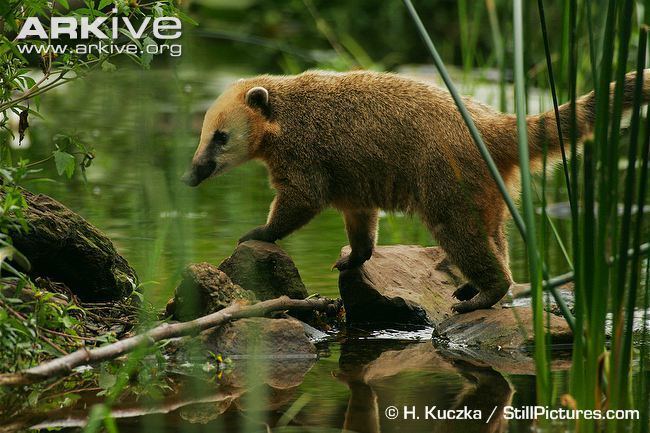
[{"x": 258, "y": 97}]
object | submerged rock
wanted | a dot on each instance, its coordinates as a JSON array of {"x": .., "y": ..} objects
[
  {"x": 204, "y": 289},
  {"x": 400, "y": 284},
  {"x": 277, "y": 350},
  {"x": 265, "y": 269},
  {"x": 419, "y": 375},
  {"x": 64, "y": 247}
]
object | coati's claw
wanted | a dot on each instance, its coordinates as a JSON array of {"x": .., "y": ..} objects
[
  {"x": 462, "y": 307},
  {"x": 465, "y": 292}
]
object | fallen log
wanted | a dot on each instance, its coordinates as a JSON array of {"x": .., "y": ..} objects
[{"x": 65, "y": 364}]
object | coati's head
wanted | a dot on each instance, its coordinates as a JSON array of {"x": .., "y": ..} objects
[{"x": 232, "y": 132}]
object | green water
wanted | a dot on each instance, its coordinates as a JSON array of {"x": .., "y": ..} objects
[{"x": 144, "y": 127}]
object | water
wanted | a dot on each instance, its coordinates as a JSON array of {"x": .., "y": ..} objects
[{"x": 353, "y": 386}]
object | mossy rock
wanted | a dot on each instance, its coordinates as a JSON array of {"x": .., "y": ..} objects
[
  {"x": 204, "y": 289},
  {"x": 62, "y": 246},
  {"x": 265, "y": 269}
]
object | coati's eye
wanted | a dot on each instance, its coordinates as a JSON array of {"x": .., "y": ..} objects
[{"x": 219, "y": 138}]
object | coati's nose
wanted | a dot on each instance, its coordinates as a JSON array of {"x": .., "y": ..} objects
[
  {"x": 189, "y": 179},
  {"x": 198, "y": 173}
]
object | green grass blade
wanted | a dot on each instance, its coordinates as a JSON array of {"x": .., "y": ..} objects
[
  {"x": 499, "y": 49},
  {"x": 630, "y": 183}
]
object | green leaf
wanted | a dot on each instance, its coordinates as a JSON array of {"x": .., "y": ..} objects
[
  {"x": 5, "y": 8},
  {"x": 186, "y": 18},
  {"x": 108, "y": 66},
  {"x": 146, "y": 58},
  {"x": 65, "y": 163},
  {"x": 67, "y": 321},
  {"x": 104, "y": 3},
  {"x": 106, "y": 380}
]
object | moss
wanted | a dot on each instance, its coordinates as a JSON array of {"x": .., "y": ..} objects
[{"x": 64, "y": 247}]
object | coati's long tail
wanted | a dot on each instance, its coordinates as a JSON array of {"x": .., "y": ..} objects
[{"x": 543, "y": 126}]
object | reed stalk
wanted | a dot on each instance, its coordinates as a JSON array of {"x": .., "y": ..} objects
[
  {"x": 534, "y": 260},
  {"x": 556, "y": 109}
]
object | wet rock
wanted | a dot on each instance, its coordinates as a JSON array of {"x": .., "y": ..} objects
[
  {"x": 503, "y": 360},
  {"x": 64, "y": 247},
  {"x": 265, "y": 269},
  {"x": 400, "y": 284},
  {"x": 204, "y": 289},
  {"x": 501, "y": 328},
  {"x": 277, "y": 352},
  {"x": 406, "y": 374},
  {"x": 414, "y": 285}
]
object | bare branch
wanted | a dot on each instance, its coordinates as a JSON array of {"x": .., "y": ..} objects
[{"x": 65, "y": 364}]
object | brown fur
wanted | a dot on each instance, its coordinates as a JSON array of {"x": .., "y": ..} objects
[{"x": 363, "y": 141}]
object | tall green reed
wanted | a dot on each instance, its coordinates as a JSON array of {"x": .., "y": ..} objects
[
  {"x": 534, "y": 258},
  {"x": 499, "y": 50}
]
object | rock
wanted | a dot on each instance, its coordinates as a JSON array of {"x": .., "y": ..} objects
[
  {"x": 265, "y": 269},
  {"x": 502, "y": 328},
  {"x": 204, "y": 289},
  {"x": 203, "y": 413},
  {"x": 280, "y": 346},
  {"x": 414, "y": 285},
  {"x": 400, "y": 284},
  {"x": 64, "y": 247},
  {"x": 377, "y": 360}
]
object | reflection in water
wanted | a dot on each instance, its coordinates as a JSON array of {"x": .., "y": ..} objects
[
  {"x": 374, "y": 374},
  {"x": 369, "y": 376}
]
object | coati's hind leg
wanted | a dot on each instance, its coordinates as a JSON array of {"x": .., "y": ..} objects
[
  {"x": 468, "y": 290},
  {"x": 480, "y": 258},
  {"x": 465, "y": 292},
  {"x": 361, "y": 226}
]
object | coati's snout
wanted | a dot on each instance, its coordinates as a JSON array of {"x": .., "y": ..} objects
[
  {"x": 227, "y": 137},
  {"x": 198, "y": 173}
]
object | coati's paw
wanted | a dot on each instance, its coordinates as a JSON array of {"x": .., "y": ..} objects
[
  {"x": 462, "y": 307},
  {"x": 482, "y": 301},
  {"x": 257, "y": 234},
  {"x": 465, "y": 292},
  {"x": 348, "y": 262}
]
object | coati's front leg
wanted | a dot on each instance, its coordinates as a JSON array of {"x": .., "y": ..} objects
[
  {"x": 361, "y": 226},
  {"x": 481, "y": 258},
  {"x": 290, "y": 210}
]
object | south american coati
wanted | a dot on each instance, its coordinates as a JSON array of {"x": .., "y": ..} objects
[{"x": 363, "y": 141}]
